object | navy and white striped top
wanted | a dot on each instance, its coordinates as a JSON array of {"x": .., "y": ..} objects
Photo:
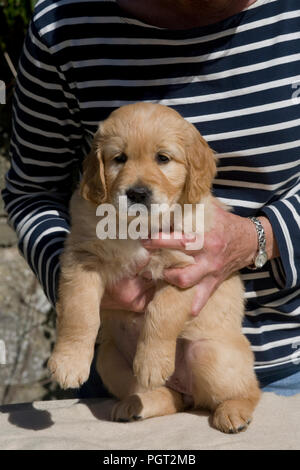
[{"x": 235, "y": 80}]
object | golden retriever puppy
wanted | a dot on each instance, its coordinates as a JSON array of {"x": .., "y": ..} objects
[{"x": 166, "y": 360}]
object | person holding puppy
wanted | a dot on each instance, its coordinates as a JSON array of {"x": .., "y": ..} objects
[{"x": 231, "y": 67}]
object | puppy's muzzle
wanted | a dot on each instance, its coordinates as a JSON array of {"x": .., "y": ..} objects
[{"x": 139, "y": 195}]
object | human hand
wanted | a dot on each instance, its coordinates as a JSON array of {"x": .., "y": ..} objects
[{"x": 228, "y": 247}]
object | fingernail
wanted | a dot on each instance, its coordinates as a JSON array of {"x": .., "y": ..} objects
[{"x": 146, "y": 241}]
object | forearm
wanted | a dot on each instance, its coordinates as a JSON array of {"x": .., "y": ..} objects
[
  {"x": 41, "y": 224},
  {"x": 284, "y": 217},
  {"x": 45, "y": 146}
]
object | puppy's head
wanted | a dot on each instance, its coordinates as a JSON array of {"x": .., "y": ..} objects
[{"x": 150, "y": 154}]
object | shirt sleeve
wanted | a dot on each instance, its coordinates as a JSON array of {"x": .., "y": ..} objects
[
  {"x": 46, "y": 145},
  {"x": 284, "y": 216}
]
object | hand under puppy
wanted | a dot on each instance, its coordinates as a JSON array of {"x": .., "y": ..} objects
[{"x": 230, "y": 246}]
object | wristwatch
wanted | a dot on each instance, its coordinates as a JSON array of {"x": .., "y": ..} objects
[{"x": 261, "y": 257}]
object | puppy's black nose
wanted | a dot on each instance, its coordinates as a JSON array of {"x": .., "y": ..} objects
[{"x": 139, "y": 194}]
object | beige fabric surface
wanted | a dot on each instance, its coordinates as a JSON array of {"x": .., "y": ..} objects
[{"x": 84, "y": 424}]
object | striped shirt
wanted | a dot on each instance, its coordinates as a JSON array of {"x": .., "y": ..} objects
[{"x": 236, "y": 81}]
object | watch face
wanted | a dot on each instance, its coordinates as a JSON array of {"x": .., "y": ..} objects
[{"x": 261, "y": 259}]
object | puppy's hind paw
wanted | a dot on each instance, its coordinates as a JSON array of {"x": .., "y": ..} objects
[
  {"x": 129, "y": 409},
  {"x": 232, "y": 416}
]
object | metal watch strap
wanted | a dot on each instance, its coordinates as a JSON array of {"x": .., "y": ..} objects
[{"x": 261, "y": 237}]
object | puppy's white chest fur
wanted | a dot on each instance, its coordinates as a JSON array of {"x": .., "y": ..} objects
[
  {"x": 127, "y": 255},
  {"x": 123, "y": 258}
]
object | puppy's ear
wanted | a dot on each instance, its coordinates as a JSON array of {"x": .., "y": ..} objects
[
  {"x": 201, "y": 166},
  {"x": 93, "y": 184}
]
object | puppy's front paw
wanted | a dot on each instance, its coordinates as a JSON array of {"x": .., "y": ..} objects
[
  {"x": 69, "y": 370},
  {"x": 154, "y": 364}
]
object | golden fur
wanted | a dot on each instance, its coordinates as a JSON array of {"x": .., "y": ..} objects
[{"x": 218, "y": 356}]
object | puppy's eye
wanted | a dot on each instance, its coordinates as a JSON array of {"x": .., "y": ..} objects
[
  {"x": 121, "y": 158},
  {"x": 160, "y": 158}
]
